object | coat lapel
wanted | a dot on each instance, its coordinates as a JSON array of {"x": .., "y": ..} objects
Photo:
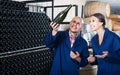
[{"x": 67, "y": 39}]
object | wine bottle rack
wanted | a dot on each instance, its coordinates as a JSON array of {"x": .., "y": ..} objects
[
  {"x": 34, "y": 62},
  {"x": 22, "y": 48},
  {"x": 13, "y": 5},
  {"x": 22, "y": 29}
]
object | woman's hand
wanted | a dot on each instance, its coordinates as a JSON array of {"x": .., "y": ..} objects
[
  {"x": 75, "y": 56},
  {"x": 55, "y": 27},
  {"x": 91, "y": 59},
  {"x": 105, "y": 54}
]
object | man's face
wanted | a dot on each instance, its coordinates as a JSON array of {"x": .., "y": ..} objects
[{"x": 75, "y": 25}]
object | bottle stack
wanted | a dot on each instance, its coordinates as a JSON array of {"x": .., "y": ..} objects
[
  {"x": 21, "y": 37},
  {"x": 21, "y": 29}
]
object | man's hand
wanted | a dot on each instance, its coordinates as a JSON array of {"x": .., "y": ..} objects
[
  {"x": 75, "y": 56},
  {"x": 55, "y": 27}
]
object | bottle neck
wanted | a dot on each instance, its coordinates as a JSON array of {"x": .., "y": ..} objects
[{"x": 69, "y": 7}]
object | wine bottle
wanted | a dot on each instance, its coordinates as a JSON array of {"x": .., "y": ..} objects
[{"x": 62, "y": 15}]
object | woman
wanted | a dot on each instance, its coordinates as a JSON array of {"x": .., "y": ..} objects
[
  {"x": 70, "y": 49},
  {"x": 106, "y": 47}
]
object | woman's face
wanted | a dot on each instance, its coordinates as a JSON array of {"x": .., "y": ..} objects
[{"x": 95, "y": 24}]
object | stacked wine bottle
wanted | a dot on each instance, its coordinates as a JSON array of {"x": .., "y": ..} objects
[
  {"x": 13, "y": 5},
  {"x": 30, "y": 63},
  {"x": 22, "y": 29}
]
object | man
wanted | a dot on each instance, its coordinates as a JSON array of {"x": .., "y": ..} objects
[{"x": 70, "y": 49}]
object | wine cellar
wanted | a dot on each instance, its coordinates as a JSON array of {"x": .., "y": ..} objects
[
  {"x": 22, "y": 50},
  {"x": 23, "y": 26}
]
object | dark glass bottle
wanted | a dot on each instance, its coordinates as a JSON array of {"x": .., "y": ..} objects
[{"x": 62, "y": 15}]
